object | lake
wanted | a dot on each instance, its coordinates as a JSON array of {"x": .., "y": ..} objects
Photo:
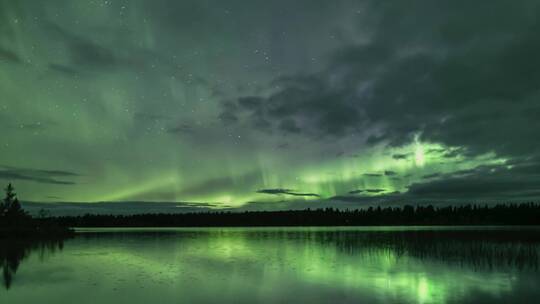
[{"x": 276, "y": 265}]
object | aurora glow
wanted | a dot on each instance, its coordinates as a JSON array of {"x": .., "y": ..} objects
[{"x": 209, "y": 102}]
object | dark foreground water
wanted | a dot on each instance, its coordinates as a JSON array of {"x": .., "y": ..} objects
[{"x": 276, "y": 265}]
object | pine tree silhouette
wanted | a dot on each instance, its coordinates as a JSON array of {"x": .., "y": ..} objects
[
  {"x": 11, "y": 208},
  {"x": 16, "y": 222}
]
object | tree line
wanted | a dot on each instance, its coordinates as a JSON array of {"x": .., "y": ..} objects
[
  {"x": 502, "y": 214},
  {"x": 14, "y": 220}
]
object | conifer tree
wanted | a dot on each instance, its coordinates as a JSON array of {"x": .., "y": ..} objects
[{"x": 11, "y": 208}]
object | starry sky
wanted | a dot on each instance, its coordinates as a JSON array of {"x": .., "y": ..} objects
[{"x": 265, "y": 105}]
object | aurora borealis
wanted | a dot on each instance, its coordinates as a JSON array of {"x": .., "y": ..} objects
[{"x": 270, "y": 104}]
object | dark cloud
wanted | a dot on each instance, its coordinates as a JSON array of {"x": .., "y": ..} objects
[
  {"x": 401, "y": 156},
  {"x": 143, "y": 116},
  {"x": 361, "y": 191},
  {"x": 518, "y": 181},
  {"x": 375, "y": 190},
  {"x": 9, "y": 56},
  {"x": 303, "y": 105},
  {"x": 289, "y": 126},
  {"x": 436, "y": 151},
  {"x": 228, "y": 117},
  {"x": 64, "y": 69},
  {"x": 274, "y": 191},
  {"x": 181, "y": 129},
  {"x": 36, "y": 126},
  {"x": 279, "y": 191},
  {"x": 115, "y": 208},
  {"x": 14, "y": 176},
  {"x": 36, "y": 175},
  {"x": 454, "y": 153},
  {"x": 14, "y": 124},
  {"x": 477, "y": 188},
  {"x": 356, "y": 201},
  {"x": 372, "y": 175},
  {"x": 87, "y": 53},
  {"x": 83, "y": 51},
  {"x": 440, "y": 76},
  {"x": 229, "y": 113},
  {"x": 252, "y": 103}
]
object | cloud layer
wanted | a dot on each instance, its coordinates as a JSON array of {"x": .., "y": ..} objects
[{"x": 236, "y": 103}]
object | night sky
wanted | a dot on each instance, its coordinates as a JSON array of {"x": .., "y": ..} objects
[{"x": 270, "y": 104}]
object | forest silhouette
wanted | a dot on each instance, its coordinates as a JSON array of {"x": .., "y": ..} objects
[
  {"x": 503, "y": 214},
  {"x": 15, "y": 221}
]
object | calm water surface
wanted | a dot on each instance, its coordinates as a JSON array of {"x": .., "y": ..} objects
[{"x": 277, "y": 265}]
